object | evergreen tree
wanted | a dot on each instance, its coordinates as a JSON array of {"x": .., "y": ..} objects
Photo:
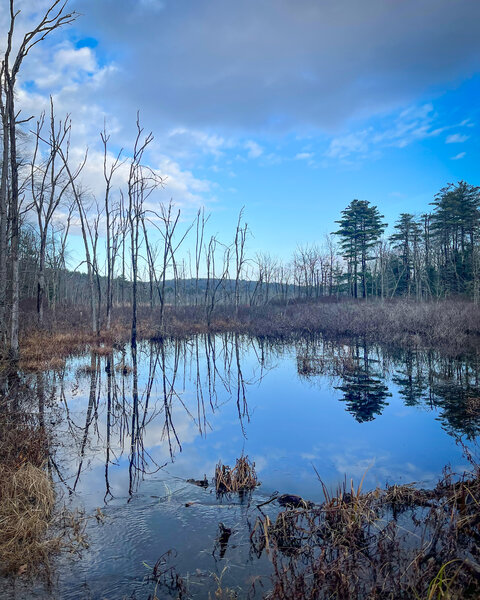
[
  {"x": 360, "y": 229},
  {"x": 406, "y": 239},
  {"x": 455, "y": 225}
]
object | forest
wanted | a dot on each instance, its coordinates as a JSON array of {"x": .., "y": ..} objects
[
  {"x": 135, "y": 256},
  {"x": 139, "y": 252}
]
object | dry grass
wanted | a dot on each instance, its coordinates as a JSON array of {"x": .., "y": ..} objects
[
  {"x": 29, "y": 529},
  {"x": 102, "y": 350},
  {"x": 472, "y": 406},
  {"x": 84, "y": 370},
  {"x": 394, "y": 544},
  {"x": 450, "y": 325},
  {"x": 26, "y": 503},
  {"x": 241, "y": 478},
  {"x": 123, "y": 368},
  {"x": 43, "y": 350}
]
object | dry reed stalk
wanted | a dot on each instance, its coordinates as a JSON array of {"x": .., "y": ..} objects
[
  {"x": 472, "y": 406},
  {"x": 355, "y": 545},
  {"x": 239, "y": 479},
  {"x": 26, "y": 504},
  {"x": 102, "y": 350},
  {"x": 123, "y": 368}
]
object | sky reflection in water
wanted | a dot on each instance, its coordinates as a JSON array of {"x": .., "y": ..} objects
[{"x": 345, "y": 409}]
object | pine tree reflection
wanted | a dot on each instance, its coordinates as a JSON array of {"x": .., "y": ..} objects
[
  {"x": 364, "y": 390},
  {"x": 412, "y": 382}
]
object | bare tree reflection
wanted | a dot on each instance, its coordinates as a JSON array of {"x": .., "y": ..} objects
[
  {"x": 91, "y": 411},
  {"x": 155, "y": 391}
]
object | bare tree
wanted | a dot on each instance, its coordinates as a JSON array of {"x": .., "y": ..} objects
[
  {"x": 142, "y": 181},
  {"x": 82, "y": 213},
  {"x": 48, "y": 186},
  {"x": 240, "y": 258},
  {"x": 53, "y": 18},
  {"x": 169, "y": 222},
  {"x": 214, "y": 279},
  {"x": 110, "y": 221}
]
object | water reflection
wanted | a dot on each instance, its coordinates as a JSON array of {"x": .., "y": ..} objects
[
  {"x": 137, "y": 407},
  {"x": 363, "y": 386},
  {"x": 422, "y": 378},
  {"x": 162, "y": 413},
  {"x": 119, "y": 405}
]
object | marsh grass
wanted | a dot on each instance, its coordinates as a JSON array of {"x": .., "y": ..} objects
[
  {"x": 452, "y": 326},
  {"x": 241, "y": 478},
  {"x": 26, "y": 505},
  {"x": 123, "y": 368},
  {"x": 31, "y": 529},
  {"x": 396, "y": 543}
]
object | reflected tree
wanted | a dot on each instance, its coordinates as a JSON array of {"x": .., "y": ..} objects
[{"x": 364, "y": 390}]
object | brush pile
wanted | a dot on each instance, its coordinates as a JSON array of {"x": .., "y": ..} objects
[
  {"x": 241, "y": 478},
  {"x": 392, "y": 544}
]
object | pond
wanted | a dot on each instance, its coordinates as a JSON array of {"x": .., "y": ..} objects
[{"x": 129, "y": 428}]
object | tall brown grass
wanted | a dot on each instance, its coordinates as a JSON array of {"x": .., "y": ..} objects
[
  {"x": 397, "y": 543},
  {"x": 241, "y": 478},
  {"x": 451, "y": 325},
  {"x": 29, "y": 528}
]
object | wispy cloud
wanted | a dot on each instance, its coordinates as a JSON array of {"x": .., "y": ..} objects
[
  {"x": 254, "y": 149},
  {"x": 184, "y": 142},
  {"x": 304, "y": 156},
  {"x": 352, "y": 143},
  {"x": 456, "y": 138},
  {"x": 459, "y": 156},
  {"x": 413, "y": 124}
]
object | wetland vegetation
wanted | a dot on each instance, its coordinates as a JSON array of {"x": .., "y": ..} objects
[
  {"x": 135, "y": 439},
  {"x": 183, "y": 420}
]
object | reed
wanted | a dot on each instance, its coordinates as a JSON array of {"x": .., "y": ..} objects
[
  {"x": 31, "y": 528},
  {"x": 241, "y": 478},
  {"x": 396, "y": 543}
]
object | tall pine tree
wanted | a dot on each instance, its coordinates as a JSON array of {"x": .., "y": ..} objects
[
  {"x": 456, "y": 227},
  {"x": 406, "y": 239},
  {"x": 360, "y": 229}
]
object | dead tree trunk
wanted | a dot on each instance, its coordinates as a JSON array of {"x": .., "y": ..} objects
[{"x": 53, "y": 18}]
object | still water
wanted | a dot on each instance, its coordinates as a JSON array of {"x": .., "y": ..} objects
[{"x": 128, "y": 429}]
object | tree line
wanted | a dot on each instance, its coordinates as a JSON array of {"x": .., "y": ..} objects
[
  {"x": 135, "y": 249},
  {"x": 434, "y": 255}
]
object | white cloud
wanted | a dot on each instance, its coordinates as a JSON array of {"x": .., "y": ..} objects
[
  {"x": 410, "y": 125},
  {"x": 456, "y": 138},
  {"x": 352, "y": 143},
  {"x": 304, "y": 155},
  {"x": 184, "y": 142},
  {"x": 459, "y": 156},
  {"x": 254, "y": 149},
  {"x": 76, "y": 81}
]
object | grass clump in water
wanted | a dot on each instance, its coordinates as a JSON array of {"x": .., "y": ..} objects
[
  {"x": 241, "y": 478},
  {"x": 397, "y": 543}
]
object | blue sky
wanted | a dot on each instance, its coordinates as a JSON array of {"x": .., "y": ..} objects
[{"x": 288, "y": 108}]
